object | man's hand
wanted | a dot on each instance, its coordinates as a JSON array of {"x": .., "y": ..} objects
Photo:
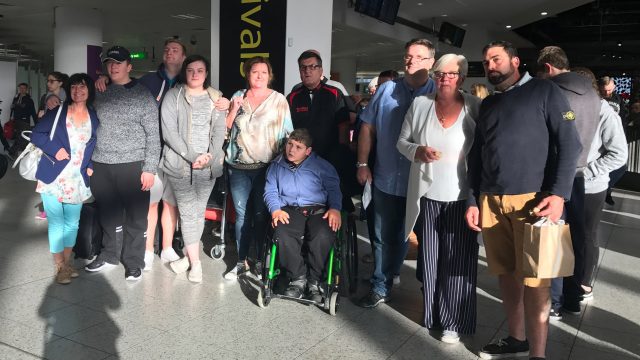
[
  {"x": 222, "y": 104},
  {"x": 147, "y": 181},
  {"x": 427, "y": 154},
  {"x": 90, "y": 171},
  {"x": 202, "y": 160},
  {"x": 101, "y": 83},
  {"x": 364, "y": 174},
  {"x": 551, "y": 207},
  {"x": 473, "y": 218},
  {"x": 53, "y": 102},
  {"x": 62, "y": 154},
  {"x": 279, "y": 215},
  {"x": 334, "y": 218}
]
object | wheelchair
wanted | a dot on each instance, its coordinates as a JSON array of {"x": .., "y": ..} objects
[
  {"x": 341, "y": 270},
  {"x": 220, "y": 209}
]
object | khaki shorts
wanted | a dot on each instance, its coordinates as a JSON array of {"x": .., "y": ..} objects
[
  {"x": 502, "y": 218},
  {"x": 161, "y": 190}
]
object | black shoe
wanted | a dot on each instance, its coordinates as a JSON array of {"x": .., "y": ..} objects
[
  {"x": 571, "y": 307},
  {"x": 555, "y": 314},
  {"x": 98, "y": 265},
  {"x": 505, "y": 348},
  {"x": 536, "y": 358},
  {"x": 296, "y": 288},
  {"x": 372, "y": 300},
  {"x": 314, "y": 291},
  {"x": 609, "y": 199},
  {"x": 133, "y": 274}
]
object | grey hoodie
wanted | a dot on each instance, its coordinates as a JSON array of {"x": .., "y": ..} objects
[
  {"x": 178, "y": 154},
  {"x": 585, "y": 103},
  {"x": 608, "y": 150}
]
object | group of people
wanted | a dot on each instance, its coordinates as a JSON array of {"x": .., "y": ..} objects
[{"x": 440, "y": 162}]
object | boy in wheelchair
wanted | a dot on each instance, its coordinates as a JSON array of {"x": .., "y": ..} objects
[{"x": 303, "y": 195}]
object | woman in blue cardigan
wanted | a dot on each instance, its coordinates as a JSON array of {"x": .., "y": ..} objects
[{"x": 65, "y": 167}]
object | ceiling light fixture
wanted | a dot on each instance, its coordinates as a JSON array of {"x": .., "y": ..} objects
[
  {"x": 186, "y": 17},
  {"x": 419, "y": 4},
  {"x": 444, "y": 15},
  {"x": 508, "y": 26},
  {"x": 544, "y": 13},
  {"x": 619, "y": 44}
]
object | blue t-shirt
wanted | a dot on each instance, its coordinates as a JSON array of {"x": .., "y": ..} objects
[{"x": 386, "y": 112}]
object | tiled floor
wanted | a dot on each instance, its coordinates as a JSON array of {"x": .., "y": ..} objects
[{"x": 100, "y": 316}]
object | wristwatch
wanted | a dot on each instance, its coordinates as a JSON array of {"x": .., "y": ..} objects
[{"x": 359, "y": 164}]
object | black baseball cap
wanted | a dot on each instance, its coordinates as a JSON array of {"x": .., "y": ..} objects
[{"x": 117, "y": 54}]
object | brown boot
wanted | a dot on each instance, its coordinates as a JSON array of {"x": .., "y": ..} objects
[
  {"x": 72, "y": 270},
  {"x": 63, "y": 275}
]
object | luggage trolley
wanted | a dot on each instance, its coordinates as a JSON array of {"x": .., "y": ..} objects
[
  {"x": 341, "y": 270},
  {"x": 220, "y": 209}
]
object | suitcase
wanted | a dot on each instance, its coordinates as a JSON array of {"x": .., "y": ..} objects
[{"x": 89, "y": 239}]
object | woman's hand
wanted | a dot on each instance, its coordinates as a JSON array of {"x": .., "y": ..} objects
[
  {"x": 90, "y": 171},
  {"x": 222, "y": 104},
  {"x": 201, "y": 161},
  {"x": 427, "y": 154},
  {"x": 62, "y": 154}
]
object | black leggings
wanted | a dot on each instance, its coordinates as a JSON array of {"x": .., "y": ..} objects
[{"x": 593, "y": 204}]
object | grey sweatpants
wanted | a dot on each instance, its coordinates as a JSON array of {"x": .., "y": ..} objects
[{"x": 191, "y": 197}]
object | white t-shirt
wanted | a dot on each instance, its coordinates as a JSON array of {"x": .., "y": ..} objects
[{"x": 449, "y": 172}]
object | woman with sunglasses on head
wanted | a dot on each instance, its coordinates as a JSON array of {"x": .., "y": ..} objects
[
  {"x": 436, "y": 136},
  {"x": 65, "y": 167},
  {"x": 193, "y": 130},
  {"x": 259, "y": 123}
]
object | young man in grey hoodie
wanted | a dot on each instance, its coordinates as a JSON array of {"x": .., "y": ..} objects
[
  {"x": 125, "y": 161},
  {"x": 585, "y": 103}
]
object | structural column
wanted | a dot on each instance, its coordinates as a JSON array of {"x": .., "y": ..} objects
[
  {"x": 344, "y": 70},
  {"x": 77, "y": 40}
]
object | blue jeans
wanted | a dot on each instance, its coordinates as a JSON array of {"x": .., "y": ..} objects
[
  {"x": 247, "y": 190},
  {"x": 390, "y": 244},
  {"x": 64, "y": 220}
]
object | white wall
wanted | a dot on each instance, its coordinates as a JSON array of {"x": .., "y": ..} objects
[
  {"x": 8, "y": 72},
  {"x": 215, "y": 43},
  {"x": 75, "y": 29},
  {"x": 308, "y": 27}
]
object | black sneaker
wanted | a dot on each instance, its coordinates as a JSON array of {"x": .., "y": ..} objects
[
  {"x": 571, "y": 307},
  {"x": 296, "y": 288},
  {"x": 133, "y": 274},
  {"x": 98, "y": 265},
  {"x": 609, "y": 199},
  {"x": 314, "y": 292},
  {"x": 372, "y": 300},
  {"x": 555, "y": 314},
  {"x": 505, "y": 348}
]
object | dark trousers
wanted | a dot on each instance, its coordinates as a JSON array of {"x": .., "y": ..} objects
[
  {"x": 568, "y": 289},
  {"x": 311, "y": 231},
  {"x": 593, "y": 204},
  {"x": 122, "y": 210}
]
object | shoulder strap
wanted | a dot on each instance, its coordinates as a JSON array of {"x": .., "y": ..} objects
[{"x": 55, "y": 123}]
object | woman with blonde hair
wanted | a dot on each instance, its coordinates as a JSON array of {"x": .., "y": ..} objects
[{"x": 479, "y": 90}]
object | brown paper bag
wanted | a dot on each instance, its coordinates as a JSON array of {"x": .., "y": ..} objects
[{"x": 548, "y": 252}]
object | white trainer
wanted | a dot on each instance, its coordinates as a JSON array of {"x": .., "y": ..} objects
[
  {"x": 148, "y": 260},
  {"x": 169, "y": 255}
]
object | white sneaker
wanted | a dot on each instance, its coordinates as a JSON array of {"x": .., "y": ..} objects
[
  {"x": 148, "y": 260},
  {"x": 235, "y": 272},
  {"x": 450, "y": 337},
  {"x": 179, "y": 266},
  {"x": 169, "y": 255},
  {"x": 396, "y": 280},
  {"x": 195, "y": 274}
]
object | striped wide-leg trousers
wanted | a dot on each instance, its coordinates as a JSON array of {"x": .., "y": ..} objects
[{"x": 448, "y": 266}]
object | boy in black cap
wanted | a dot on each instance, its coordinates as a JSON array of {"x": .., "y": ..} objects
[{"x": 125, "y": 160}]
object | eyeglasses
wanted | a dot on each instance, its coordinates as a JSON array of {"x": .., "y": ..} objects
[
  {"x": 310, "y": 67},
  {"x": 448, "y": 75},
  {"x": 408, "y": 58}
]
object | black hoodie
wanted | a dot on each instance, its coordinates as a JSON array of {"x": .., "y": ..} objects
[{"x": 585, "y": 103}]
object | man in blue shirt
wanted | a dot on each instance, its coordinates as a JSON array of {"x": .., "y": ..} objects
[
  {"x": 303, "y": 195},
  {"x": 382, "y": 120}
]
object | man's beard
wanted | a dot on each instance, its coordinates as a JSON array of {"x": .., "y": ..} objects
[{"x": 496, "y": 77}]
